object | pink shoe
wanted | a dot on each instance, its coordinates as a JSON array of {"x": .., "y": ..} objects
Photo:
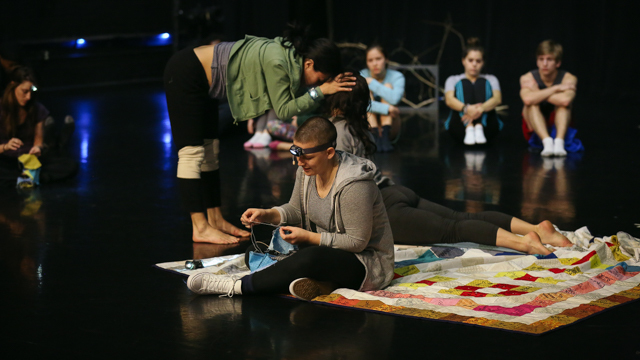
[
  {"x": 248, "y": 145},
  {"x": 274, "y": 144}
]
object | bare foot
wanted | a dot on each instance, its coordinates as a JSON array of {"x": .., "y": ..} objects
[
  {"x": 211, "y": 235},
  {"x": 549, "y": 235},
  {"x": 534, "y": 245},
  {"x": 226, "y": 227}
]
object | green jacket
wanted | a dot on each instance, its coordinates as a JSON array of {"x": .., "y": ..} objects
[{"x": 263, "y": 75}]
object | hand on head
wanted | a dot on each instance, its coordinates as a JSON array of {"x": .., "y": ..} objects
[{"x": 342, "y": 82}]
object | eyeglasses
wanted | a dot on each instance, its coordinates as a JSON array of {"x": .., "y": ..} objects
[{"x": 296, "y": 150}]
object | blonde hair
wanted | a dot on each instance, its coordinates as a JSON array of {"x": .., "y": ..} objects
[{"x": 550, "y": 47}]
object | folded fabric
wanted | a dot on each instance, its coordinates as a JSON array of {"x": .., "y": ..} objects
[{"x": 30, "y": 176}]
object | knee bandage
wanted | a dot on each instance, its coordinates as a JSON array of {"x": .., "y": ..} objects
[
  {"x": 190, "y": 159},
  {"x": 211, "y": 151}
]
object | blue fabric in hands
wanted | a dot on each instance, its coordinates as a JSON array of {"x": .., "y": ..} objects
[{"x": 259, "y": 261}]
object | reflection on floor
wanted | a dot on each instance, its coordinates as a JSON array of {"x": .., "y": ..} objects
[{"x": 77, "y": 256}]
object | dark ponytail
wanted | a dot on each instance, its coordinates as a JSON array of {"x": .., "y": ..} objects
[
  {"x": 324, "y": 53},
  {"x": 473, "y": 44},
  {"x": 354, "y": 105}
]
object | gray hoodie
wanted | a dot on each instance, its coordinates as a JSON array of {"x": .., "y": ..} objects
[
  {"x": 348, "y": 143},
  {"x": 358, "y": 218}
]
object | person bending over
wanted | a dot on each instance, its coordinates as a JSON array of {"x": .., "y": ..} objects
[
  {"x": 472, "y": 98},
  {"x": 387, "y": 89},
  {"x": 418, "y": 221},
  {"x": 335, "y": 215},
  {"x": 256, "y": 75},
  {"x": 547, "y": 93}
]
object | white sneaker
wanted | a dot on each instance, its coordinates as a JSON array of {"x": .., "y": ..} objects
[
  {"x": 308, "y": 289},
  {"x": 262, "y": 141},
  {"x": 249, "y": 143},
  {"x": 558, "y": 147},
  {"x": 548, "y": 147},
  {"x": 479, "y": 130},
  {"x": 206, "y": 283},
  {"x": 470, "y": 136}
]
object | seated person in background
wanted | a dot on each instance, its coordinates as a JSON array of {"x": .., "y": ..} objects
[
  {"x": 417, "y": 221},
  {"x": 472, "y": 98},
  {"x": 547, "y": 94},
  {"x": 387, "y": 89},
  {"x": 25, "y": 125},
  {"x": 345, "y": 239}
]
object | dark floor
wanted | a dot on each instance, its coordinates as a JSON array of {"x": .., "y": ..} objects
[{"x": 77, "y": 256}]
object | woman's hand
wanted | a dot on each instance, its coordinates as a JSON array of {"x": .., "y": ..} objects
[
  {"x": 296, "y": 236},
  {"x": 252, "y": 216},
  {"x": 342, "y": 82},
  {"x": 394, "y": 112},
  {"x": 474, "y": 111},
  {"x": 13, "y": 144},
  {"x": 35, "y": 151}
]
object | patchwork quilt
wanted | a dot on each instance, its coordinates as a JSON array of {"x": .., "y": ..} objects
[{"x": 494, "y": 288}]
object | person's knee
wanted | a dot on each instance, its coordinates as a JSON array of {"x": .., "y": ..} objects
[
  {"x": 389, "y": 86},
  {"x": 190, "y": 160},
  {"x": 563, "y": 108}
]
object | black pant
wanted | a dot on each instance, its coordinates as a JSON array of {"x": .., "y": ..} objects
[
  {"x": 416, "y": 221},
  {"x": 194, "y": 117},
  {"x": 321, "y": 263}
]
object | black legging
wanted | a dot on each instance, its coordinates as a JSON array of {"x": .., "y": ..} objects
[
  {"x": 321, "y": 263},
  {"x": 416, "y": 221},
  {"x": 194, "y": 118}
]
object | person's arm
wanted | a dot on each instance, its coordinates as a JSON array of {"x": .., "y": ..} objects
[
  {"x": 531, "y": 94},
  {"x": 491, "y": 104},
  {"x": 356, "y": 207},
  {"x": 37, "y": 140},
  {"x": 452, "y": 101},
  {"x": 291, "y": 213},
  {"x": 567, "y": 91},
  {"x": 377, "y": 107},
  {"x": 392, "y": 96},
  {"x": 279, "y": 90}
]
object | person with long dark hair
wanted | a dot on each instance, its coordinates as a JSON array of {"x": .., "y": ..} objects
[
  {"x": 417, "y": 221},
  {"x": 387, "y": 88},
  {"x": 23, "y": 130},
  {"x": 472, "y": 98},
  {"x": 289, "y": 74},
  {"x": 335, "y": 216}
]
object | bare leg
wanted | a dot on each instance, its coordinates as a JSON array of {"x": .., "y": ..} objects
[
  {"x": 204, "y": 232},
  {"x": 545, "y": 230},
  {"x": 529, "y": 243},
  {"x": 218, "y": 222},
  {"x": 535, "y": 120},
  {"x": 562, "y": 119},
  {"x": 373, "y": 120},
  {"x": 284, "y": 146}
]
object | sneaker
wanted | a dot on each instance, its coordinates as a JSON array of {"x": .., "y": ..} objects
[
  {"x": 470, "y": 136},
  {"x": 479, "y": 133},
  {"x": 558, "y": 147},
  {"x": 262, "y": 141},
  {"x": 205, "y": 283},
  {"x": 308, "y": 289},
  {"x": 548, "y": 147}
]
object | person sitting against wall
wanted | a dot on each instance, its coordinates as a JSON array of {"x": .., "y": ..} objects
[
  {"x": 335, "y": 215},
  {"x": 472, "y": 98},
  {"x": 27, "y": 128},
  {"x": 387, "y": 88},
  {"x": 418, "y": 221},
  {"x": 547, "y": 93}
]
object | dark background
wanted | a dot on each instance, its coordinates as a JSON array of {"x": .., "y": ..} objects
[{"x": 598, "y": 38}]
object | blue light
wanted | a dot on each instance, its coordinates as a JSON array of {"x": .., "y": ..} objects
[
  {"x": 80, "y": 42},
  {"x": 165, "y": 36}
]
